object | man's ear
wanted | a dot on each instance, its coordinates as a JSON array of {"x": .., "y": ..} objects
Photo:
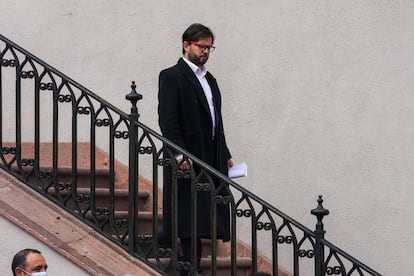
[
  {"x": 186, "y": 44},
  {"x": 18, "y": 271}
]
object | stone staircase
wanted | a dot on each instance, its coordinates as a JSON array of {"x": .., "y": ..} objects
[{"x": 121, "y": 201}]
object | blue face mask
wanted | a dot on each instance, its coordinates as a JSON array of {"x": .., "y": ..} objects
[{"x": 39, "y": 273}]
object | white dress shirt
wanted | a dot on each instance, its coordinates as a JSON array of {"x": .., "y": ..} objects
[{"x": 201, "y": 76}]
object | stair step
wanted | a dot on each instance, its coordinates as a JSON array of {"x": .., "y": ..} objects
[
  {"x": 243, "y": 266},
  {"x": 102, "y": 177},
  {"x": 102, "y": 198},
  {"x": 205, "y": 243},
  {"x": 223, "y": 266},
  {"x": 64, "y": 175},
  {"x": 121, "y": 223}
]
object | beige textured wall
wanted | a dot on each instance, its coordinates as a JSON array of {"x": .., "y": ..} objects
[{"x": 318, "y": 96}]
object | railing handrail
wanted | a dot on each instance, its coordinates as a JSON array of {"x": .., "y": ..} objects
[{"x": 308, "y": 234}]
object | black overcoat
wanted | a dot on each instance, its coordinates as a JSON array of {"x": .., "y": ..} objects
[{"x": 184, "y": 118}]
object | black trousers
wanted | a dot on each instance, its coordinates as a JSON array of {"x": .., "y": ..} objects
[{"x": 186, "y": 248}]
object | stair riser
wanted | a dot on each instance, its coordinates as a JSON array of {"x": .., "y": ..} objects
[
  {"x": 102, "y": 200},
  {"x": 221, "y": 270},
  {"x": 64, "y": 176},
  {"x": 84, "y": 180},
  {"x": 144, "y": 224}
]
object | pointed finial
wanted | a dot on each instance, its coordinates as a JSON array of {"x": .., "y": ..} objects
[
  {"x": 133, "y": 97},
  {"x": 320, "y": 212}
]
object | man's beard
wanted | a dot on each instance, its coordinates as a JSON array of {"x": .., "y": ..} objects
[{"x": 199, "y": 61}]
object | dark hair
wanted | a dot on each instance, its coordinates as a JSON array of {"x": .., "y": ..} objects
[
  {"x": 196, "y": 31},
  {"x": 19, "y": 260}
]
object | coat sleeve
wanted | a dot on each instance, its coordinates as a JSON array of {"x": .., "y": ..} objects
[{"x": 168, "y": 107}]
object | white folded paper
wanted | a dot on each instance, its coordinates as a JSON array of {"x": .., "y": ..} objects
[{"x": 238, "y": 170}]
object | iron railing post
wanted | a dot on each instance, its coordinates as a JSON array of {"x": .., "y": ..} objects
[
  {"x": 133, "y": 97},
  {"x": 319, "y": 212}
]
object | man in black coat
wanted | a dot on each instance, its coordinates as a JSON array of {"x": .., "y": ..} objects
[{"x": 190, "y": 116}]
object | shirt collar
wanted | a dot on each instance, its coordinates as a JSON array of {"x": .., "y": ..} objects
[{"x": 197, "y": 70}]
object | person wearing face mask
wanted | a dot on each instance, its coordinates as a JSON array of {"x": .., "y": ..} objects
[{"x": 29, "y": 262}]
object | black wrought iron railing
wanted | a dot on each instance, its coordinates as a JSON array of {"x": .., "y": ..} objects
[{"x": 42, "y": 109}]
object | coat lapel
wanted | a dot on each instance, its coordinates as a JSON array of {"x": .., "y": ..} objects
[
  {"x": 214, "y": 90},
  {"x": 191, "y": 77}
]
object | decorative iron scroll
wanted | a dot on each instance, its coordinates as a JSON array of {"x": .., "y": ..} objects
[{"x": 8, "y": 62}]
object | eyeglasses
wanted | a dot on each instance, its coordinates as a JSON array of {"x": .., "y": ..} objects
[{"x": 203, "y": 47}]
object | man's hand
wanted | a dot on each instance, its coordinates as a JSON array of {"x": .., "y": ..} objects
[{"x": 185, "y": 164}]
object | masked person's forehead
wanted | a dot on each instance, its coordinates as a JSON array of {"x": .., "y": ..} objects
[{"x": 35, "y": 262}]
